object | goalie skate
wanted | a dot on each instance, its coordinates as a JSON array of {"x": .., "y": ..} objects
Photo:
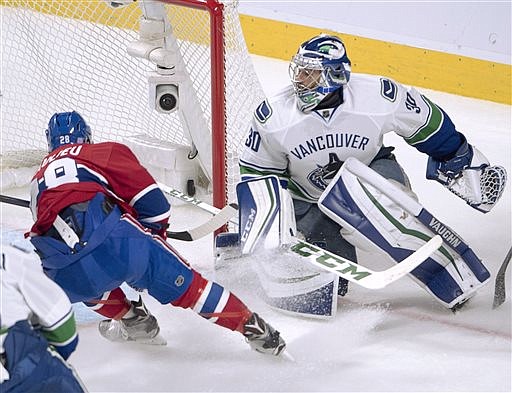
[
  {"x": 142, "y": 328},
  {"x": 262, "y": 337}
]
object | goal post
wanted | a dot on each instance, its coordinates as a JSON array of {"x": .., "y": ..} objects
[
  {"x": 59, "y": 55},
  {"x": 218, "y": 92}
]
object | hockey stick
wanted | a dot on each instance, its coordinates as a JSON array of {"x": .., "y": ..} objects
[
  {"x": 197, "y": 202},
  {"x": 336, "y": 264},
  {"x": 359, "y": 274},
  {"x": 220, "y": 218},
  {"x": 14, "y": 201},
  {"x": 499, "y": 290}
]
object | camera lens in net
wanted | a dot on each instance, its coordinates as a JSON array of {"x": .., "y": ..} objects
[{"x": 168, "y": 102}]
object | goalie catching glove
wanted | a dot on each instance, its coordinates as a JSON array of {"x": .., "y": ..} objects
[{"x": 469, "y": 176}]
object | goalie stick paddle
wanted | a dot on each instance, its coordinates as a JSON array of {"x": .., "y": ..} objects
[
  {"x": 220, "y": 218},
  {"x": 499, "y": 289},
  {"x": 359, "y": 274}
]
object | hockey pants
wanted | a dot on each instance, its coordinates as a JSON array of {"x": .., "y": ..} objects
[{"x": 114, "y": 248}]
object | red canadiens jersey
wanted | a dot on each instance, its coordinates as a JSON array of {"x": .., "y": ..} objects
[{"x": 75, "y": 173}]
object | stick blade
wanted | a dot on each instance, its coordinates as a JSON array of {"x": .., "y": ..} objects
[
  {"x": 500, "y": 293},
  {"x": 224, "y": 216},
  {"x": 184, "y": 235}
]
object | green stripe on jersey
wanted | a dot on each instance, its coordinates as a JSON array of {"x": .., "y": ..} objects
[
  {"x": 63, "y": 333},
  {"x": 249, "y": 171},
  {"x": 295, "y": 190},
  {"x": 245, "y": 170},
  {"x": 434, "y": 122}
]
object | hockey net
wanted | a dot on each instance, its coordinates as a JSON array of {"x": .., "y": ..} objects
[{"x": 60, "y": 55}]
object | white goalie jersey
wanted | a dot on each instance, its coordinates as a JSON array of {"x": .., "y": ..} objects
[{"x": 308, "y": 149}]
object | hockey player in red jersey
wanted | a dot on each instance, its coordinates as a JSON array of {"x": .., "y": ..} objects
[{"x": 101, "y": 220}]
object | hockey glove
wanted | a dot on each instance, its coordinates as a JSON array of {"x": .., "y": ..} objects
[{"x": 469, "y": 176}]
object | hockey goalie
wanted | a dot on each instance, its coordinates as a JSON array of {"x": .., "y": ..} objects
[{"x": 322, "y": 138}]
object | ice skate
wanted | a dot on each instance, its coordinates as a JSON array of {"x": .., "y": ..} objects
[
  {"x": 262, "y": 337},
  {"x": 142, "y": 328}
]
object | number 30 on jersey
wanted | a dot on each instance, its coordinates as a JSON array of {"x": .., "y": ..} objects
[{"x": 253, "y": 140}]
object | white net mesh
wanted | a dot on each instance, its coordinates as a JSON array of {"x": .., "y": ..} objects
[
  {"x": 61, "y": 55},
  {"x": 492, "y": 184}
]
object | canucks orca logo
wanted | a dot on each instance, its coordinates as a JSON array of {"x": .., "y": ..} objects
[{"x": 321, "y": 176}]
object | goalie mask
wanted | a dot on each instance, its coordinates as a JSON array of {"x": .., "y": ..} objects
[
  {"x": 320, "y": 67},
  {"x": 65, "y": 128}
]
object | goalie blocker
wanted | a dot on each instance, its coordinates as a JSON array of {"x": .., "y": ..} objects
[{"x": 377, "y": 215}]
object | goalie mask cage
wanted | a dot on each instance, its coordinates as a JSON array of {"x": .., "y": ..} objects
[{"x": 60, "y": 55}]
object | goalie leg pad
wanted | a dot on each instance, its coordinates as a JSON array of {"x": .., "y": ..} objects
[
  {"x": 259, "y": 206},
  {"x": 267, "y": 219},
  {"x": 266, "y": 214},
  {"x": 370, "y": 217}
]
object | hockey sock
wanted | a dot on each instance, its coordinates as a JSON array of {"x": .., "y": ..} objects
[
  {"x": 113, "y": 304},
  {"x": 215, "y": 303}
]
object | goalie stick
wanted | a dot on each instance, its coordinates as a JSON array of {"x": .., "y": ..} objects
[
  {"x": 499, "y": 289},
  {"x": 220, "y": 218},
  {"x": 334, "y": 263},
  {"x": 359, "y": 274}
]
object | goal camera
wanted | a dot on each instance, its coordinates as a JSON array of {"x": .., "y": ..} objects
[
  {"x": 166, "y": 99},
  {"x": 163, "y": 93}
]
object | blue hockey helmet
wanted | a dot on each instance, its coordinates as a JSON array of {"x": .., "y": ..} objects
[
  {"x": 65, "y": 128},
  {"x": 320, "y": 67}
]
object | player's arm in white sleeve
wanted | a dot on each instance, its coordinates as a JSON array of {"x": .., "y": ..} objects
[
  {"x": 260, "y": 155},
  {"x": 45, "y": 298},
  {"x": 453, "y": 162}
]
